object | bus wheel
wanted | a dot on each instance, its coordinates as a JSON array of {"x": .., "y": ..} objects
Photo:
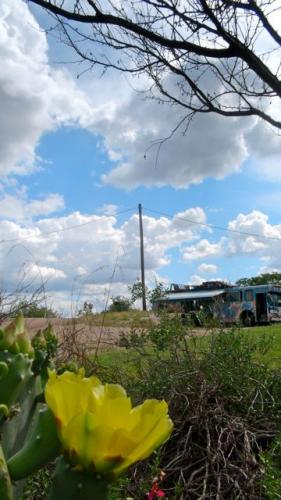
[{"x": 247, "y": 318}]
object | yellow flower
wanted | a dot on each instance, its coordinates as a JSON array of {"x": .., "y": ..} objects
[{"x": 98, "y": 427}]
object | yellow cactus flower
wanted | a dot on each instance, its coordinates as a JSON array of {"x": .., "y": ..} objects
[{"x": 98, "y": 427}]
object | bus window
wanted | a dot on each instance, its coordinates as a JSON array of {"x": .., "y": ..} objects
[
  {"x": 233, "y": 297},
  {"x": 248, "y": 295},
  {"x": 274, "y": 299}
]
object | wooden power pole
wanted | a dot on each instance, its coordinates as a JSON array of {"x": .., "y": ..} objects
[{"x": 142, "y": 259}]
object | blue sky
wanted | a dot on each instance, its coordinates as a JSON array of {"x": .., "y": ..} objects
[{"x": 75, "y": 154}]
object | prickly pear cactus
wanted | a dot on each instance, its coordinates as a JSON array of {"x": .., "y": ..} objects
[
  {"x": 21, "y": 385},
  {"x": 45, "y": 345},
  {"x": 77, "y": 485},
  {"x": 14, "y": 377},
  {"x": 16, "y": 354}
]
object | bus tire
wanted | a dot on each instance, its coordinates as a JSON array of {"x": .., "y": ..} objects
[{"x": 247, "y": 319}]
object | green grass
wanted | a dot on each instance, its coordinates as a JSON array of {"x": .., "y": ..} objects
[
  {"x": 116, "y": 357},
  {"x": 273, "y": 334},
  {"x": 268, "y": 337}
]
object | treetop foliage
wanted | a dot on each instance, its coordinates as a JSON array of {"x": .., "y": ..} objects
[
  {"x": 34, "y": 310},
  {"x": 261, "y": 279},
  {"x": 120, "y": 304}
]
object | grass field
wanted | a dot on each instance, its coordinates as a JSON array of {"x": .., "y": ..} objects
[
  {"x": 272, "y": 334},
  {"x": 269, "y": 337}
]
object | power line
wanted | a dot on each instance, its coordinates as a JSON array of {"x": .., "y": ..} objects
[
  {"x": 213, "y": 226},
  {"x": 58, "y": 231},
  {"x": 158, "y": 212}
]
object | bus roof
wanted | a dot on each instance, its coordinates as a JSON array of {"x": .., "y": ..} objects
[{"x": 204, "y": 294}]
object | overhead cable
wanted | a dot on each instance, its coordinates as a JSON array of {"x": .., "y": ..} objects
[{"x": 213, "y": 226}]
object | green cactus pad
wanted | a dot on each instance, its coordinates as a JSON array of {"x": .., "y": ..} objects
[
  {"x": 41, "y": 446},
  {"x": 17, "y": 374},
  {"x": 71, "y": 484}
]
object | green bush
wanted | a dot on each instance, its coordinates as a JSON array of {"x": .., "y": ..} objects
[
  {"x": 119, "y": 304},
  {"x": 225, "y": 403}
]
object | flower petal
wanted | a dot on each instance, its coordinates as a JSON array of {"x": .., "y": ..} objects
[{"x": 69, "y": 394}]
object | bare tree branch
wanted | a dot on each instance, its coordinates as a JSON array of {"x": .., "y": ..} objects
[{"x": 230, "y": 43}]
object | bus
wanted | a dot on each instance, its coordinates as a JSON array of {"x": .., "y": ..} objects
[{"x": 229, "y": 304}]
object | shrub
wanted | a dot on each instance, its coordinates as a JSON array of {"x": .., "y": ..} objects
[
  {"x": 119, "y": 304},
  {"x": 225, "y": 404}
]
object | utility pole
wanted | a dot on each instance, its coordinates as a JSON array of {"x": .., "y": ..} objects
[{"x": 142, "y": 259}]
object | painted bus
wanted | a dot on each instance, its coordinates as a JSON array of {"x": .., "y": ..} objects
[{"x": 246, "y": 305}]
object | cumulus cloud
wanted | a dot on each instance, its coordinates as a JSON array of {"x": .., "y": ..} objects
[
  {"x": 201, "y": 250},
  {"x": 264, "y": 146},
  {"x": 255, "y": 223},
  {"x": 107, "y": 209},
  {"x": 81, "y": 250},
  {"x": 249, "y": 234},
  {"x": 207, "y": 268},
  {"x": 33, "y": 97},
  {"x": 44, "y": 273},
  {"x": 36, "y": 98},
  {"x": 18, "y": 207},
  {"x": 92, "y": 254},
  {"x": 212, "y": 146},
  {"x": 196, "y": 280}
]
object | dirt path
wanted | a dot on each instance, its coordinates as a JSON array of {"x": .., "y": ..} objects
[
  {"x": 83, "y": 333},
  {"x": 88, "y": 335}
]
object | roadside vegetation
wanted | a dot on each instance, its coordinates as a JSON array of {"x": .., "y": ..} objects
[
  {"x": 224, "y": 398},
  {"x": 224, "y": 394}
]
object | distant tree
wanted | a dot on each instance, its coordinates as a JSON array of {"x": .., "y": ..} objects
[
  {"x": 152, "y": 294},
  {"x": 135, "y": 291},
  {"x": 157, "y": 292},
  {"x": 204, "y": 56},
  {"x": 261, "y": 279},
  {"x": 33, "y": 310},
  {"x": 87, "y": 309},
  {"x": 120, "y": 304}
]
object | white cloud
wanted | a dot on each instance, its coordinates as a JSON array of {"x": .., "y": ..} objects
[
  {"x": 212, "y": 146},
  {"x": 84, "y": 262},
  {"x": 207, "y": 268},
  {"x": 82, "y": 251},
  {"x": 195, "y": 280},
  {"x": 201, "y": 250},
  {"x": 264, "y": 146},
  {"x": 33, "y": 97},
  {"x": 44, "y": 273},
  {"x": 18, "y": 207},
  {"x": 250, "y": 234},
  {"x": 52, "y": 203},
  {"x": 107, "y": 209},
  {"x": 255, "y": 223}
]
